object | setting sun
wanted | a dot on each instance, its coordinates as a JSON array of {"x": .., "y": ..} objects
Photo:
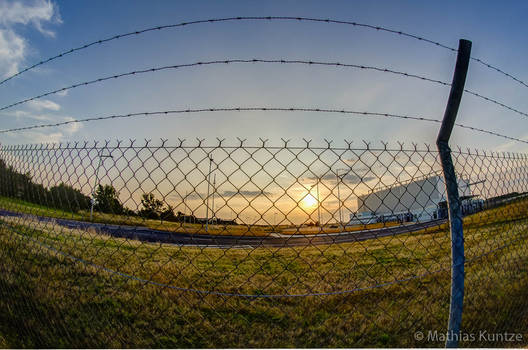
[{"x": 309, "y": 201}]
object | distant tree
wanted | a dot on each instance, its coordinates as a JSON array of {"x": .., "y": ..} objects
[
  {"x": 181, "y": 217},
  {"x": 152, "y": 207},
  {"x": 168, "y": 214},
  {"x": 107, "y": 200},
  {"x": 68, "y": 198},
  {"x": 129, "y": 212},
  {"x": 18, "y": 185}
]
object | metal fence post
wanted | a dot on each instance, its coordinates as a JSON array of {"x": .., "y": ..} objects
[{"x": 453, "y": 199}]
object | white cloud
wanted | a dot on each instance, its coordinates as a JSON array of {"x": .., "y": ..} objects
[
  {"x": 12, "y": 52},
  {"x": 513, "y": 146},
  {"x": 71, "y": 128},
  {"x": 62, "y": 93},
  {"x": 13, "y": 47},
  {"x": 41, "y": 104},
  {"x": 35, "y": 137},
  {"x": 37, "y": 13},
  {"x": 55, "y": 134},
  {"x": 32, "y": 116},
  {"x": 40, "y": 137}
]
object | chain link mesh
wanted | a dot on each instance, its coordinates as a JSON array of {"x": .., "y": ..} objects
[{"x": 232, "y": 244}]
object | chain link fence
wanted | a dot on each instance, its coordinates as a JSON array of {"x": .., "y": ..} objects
[{"x": 239, "y": 244}]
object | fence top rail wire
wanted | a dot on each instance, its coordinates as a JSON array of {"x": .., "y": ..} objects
[
  {"x": 266, "y": 61},
  {"x": 261, "y": 109},
  {"x": 209, "y": 147},
  {"x": 261, "y": 18}
]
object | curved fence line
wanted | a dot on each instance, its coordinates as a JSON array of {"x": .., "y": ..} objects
[
  {"x": 260, "y": 109},
  {"x": 224, "y": 109},
  {"x": 225, "y": 61},
  {"x": 261, "y": 18},
  {"x": 488, "y": 99},
  {"x": 498, "y": 70},
  {"x": 258, "y": 60}
]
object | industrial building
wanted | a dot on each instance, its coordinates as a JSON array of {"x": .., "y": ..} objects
[{"x": 416, "y": 200}]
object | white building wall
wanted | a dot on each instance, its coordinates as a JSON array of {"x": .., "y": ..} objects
[
  {"x": 403, "y": 198},
  {"x": 419, "y": 198}
]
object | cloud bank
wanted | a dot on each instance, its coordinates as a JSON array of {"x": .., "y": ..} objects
[{"x": 13, "y": 46}]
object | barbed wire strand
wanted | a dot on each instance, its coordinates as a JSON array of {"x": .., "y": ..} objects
[
  {"x": 214, "y": 62},
  {"x": 488, "y": 99},
  {"x": 261, "y": 18},
  {"x": 258, "y": 60},
  {"x": 262, "y": 109}
]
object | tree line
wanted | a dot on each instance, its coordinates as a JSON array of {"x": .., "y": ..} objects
[
  {"x": 18, "y": 185},
  {"x": 14, "y": 184}
]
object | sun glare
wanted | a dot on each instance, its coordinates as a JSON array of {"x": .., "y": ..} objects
[{"x": 309, "y": 201}]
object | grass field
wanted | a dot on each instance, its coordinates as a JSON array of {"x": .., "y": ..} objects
[{"x": 50, "y": 298}]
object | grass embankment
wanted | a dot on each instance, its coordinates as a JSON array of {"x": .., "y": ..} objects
[
  {"x": 21, "y": 206},
  {"x": 49, "y": 299}
]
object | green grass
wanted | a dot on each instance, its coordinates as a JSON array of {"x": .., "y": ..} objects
[{"x": 48, "y": 299}]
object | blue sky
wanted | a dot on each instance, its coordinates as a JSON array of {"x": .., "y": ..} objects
[{"x": 34, "y": 30}]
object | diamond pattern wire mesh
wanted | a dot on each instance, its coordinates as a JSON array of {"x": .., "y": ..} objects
[{"x": 235, "y": 244}]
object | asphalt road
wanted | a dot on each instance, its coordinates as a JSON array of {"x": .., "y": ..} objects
[{"x": 221, "y": 241}]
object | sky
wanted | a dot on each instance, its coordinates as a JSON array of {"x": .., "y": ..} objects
[{"x": 32, "y": 31}]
